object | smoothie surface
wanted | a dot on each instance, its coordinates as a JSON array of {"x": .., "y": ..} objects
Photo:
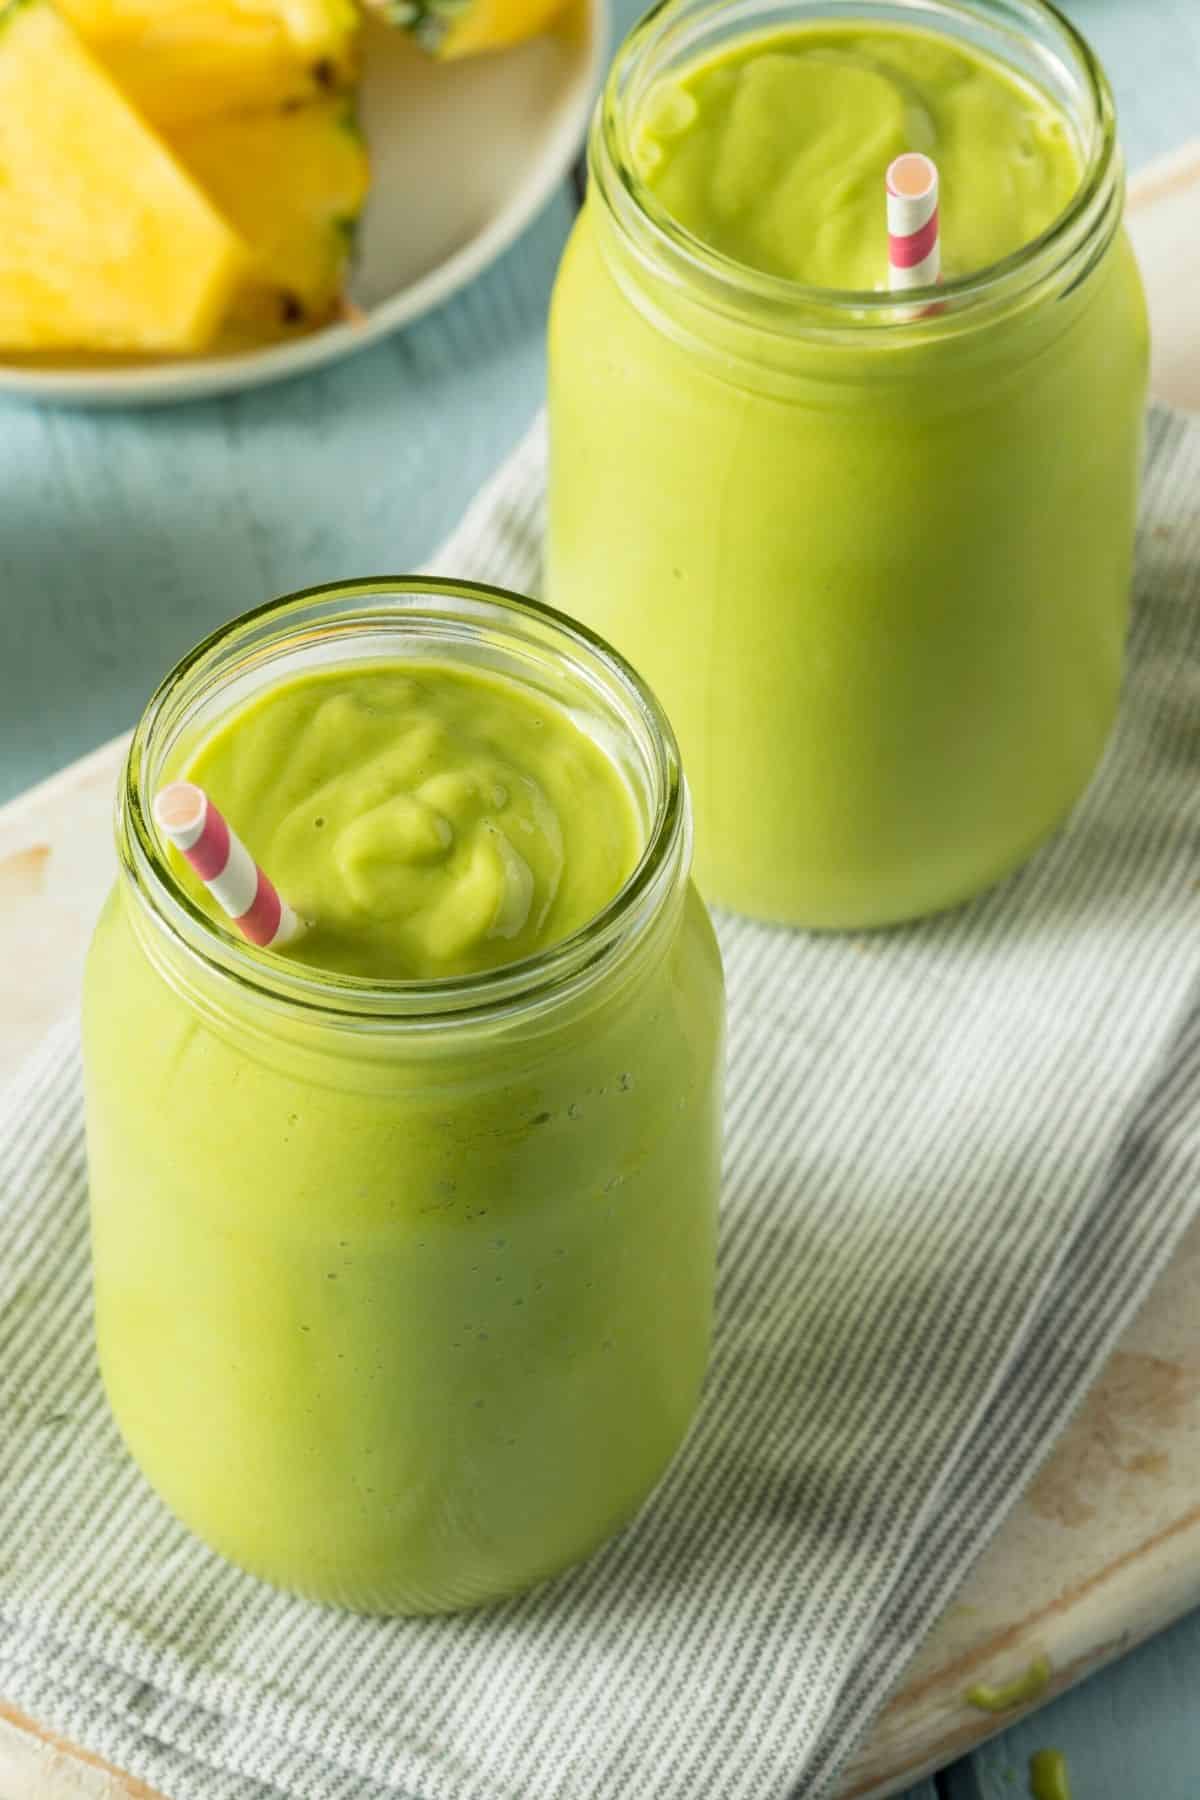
[
  {"x": 426, "y": 820},
  {"x": 774, "y": 151}
]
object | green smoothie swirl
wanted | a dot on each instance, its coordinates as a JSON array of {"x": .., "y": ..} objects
[
  {"x": 426, "y": 821},
  {"x": 774, "y": 152}
]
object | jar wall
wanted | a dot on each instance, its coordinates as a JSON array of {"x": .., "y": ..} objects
[{"x": 461, "y": 1329}]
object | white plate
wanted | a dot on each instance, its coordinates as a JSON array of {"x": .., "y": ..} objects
[{"x": 462, "y": 155}]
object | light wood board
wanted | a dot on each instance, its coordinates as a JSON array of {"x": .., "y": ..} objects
[{"x": 1101, "y": 1552}]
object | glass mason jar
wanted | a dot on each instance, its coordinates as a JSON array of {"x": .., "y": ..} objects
[
  {"x": 403, "y": 1289},
  {"x": 874, "y": 558}
]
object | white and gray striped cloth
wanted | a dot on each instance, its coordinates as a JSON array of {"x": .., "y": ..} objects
[{"x": 958, "y": 1154}]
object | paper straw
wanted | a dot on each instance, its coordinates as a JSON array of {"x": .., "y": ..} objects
[
  {"x": 914, "y": 239},
  {"x": 184, "y": 813}
]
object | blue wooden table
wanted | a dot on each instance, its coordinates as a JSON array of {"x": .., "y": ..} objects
[{"x": 124, "y": 537}]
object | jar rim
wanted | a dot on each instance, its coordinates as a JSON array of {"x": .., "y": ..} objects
[
  {"x": 399, "y": 602},
  {"x": 636, "y": 204}
]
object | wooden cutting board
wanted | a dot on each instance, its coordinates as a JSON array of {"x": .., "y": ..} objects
[{"x": 1103, "y": 1549}]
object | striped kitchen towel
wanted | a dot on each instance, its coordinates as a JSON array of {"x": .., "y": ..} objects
[{"x": 957, "y": 1156}]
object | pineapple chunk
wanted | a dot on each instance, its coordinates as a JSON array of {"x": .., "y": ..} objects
[
  {"x": 293, "y": 184},
  {"x": 105, "y": 242},
  {"x": 182, "y": 60},
  {"x": 451, "y": 28}
]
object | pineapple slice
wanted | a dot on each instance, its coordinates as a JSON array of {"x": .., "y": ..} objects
[
  {"x": 450, "y": 28},
  {"x": 182, "y": 60},
  {"x": 105, "y": 242},
  {"x": 293, "y": 184}
]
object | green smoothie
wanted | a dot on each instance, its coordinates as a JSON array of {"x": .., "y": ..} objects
[
  {"x": 1049, "y": 1777},
  {"x": 775, "y": 151},
  {"x": 874, "y": 559},
  {"x": 1021, "y": 1691},
  {"x": 403, "y": 1292},
  {"x": 425, "y": 821}
]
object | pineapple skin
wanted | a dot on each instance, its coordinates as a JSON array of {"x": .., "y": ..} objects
[
  {"x": 106, "y": 244},
  {"x": 449, "y": 29},
  {"x": 180, "y": 61},
  {"x": 293, "y": 184}
]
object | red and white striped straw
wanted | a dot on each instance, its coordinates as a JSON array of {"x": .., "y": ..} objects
[
  {"x": 184, "y": 813},
  {"x": 914, "y": 238}
]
